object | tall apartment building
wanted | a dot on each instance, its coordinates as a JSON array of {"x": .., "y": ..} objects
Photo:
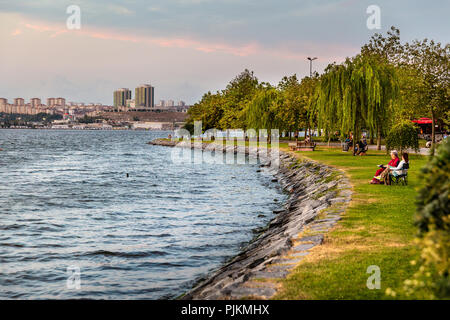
[
  {"x": 3, "y": 105},
  {"x": 61, "y": 102},
  {"x": 145, "y": 97},
  {"x": 51, "y": 102},
  {"x": 121, "y": 96},
  {"x": 19, "y": 102},
  {"x": 35, "y": 102}
]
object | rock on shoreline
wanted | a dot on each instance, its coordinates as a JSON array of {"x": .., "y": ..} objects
[{"x": 318, "y": 194}]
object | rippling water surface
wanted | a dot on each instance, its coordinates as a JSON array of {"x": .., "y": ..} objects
[{"x": 65, "y": 201}]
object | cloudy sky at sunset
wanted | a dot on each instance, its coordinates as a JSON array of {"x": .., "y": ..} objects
[{"x": 187, "y": 47}]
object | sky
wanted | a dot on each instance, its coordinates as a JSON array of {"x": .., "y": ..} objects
[{"x": 185, "y": 48}]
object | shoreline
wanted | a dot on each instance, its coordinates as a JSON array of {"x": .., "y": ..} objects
[{"x": 318, "y": 195}]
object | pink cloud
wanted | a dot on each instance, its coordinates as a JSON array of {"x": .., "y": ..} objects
[{"x": 335, "y": 52}]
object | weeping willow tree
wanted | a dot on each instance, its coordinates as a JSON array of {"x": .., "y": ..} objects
[
  {"x": 262, "y": 110},
  {"x": 359, "y": 93}
]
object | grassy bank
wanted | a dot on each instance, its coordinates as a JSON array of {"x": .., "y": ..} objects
[{"x": 377, "y": 229}]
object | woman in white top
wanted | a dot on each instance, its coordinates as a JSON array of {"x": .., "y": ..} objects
[{"x": 396, "y": 171}]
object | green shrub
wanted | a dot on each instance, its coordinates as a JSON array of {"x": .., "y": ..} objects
[
  {"x": 432, "y": 280},
  {"x": 403, "y": 136}
]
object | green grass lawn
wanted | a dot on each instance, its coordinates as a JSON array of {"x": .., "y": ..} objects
[{"x": 376, "y": 229}]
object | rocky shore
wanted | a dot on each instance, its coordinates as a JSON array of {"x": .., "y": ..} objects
[{"x": 318, "y": 195}]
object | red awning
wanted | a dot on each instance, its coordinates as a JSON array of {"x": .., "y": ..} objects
[{"x": 423, "y": 121}]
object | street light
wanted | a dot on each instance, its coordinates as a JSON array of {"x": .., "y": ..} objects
[{"x": 310, "y": 65}]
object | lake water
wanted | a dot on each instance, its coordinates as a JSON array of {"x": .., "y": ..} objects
[{"x": 69, "y": 215}]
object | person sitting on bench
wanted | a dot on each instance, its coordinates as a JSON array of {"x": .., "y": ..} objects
[
  {"x": 307, "y": 139},
  {"x": 400, "y": 170},
  {"x": 378, "y": 178}
]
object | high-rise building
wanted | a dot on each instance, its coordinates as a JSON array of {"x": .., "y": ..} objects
[
  {"x": 3, "y": 105},
  {"x": 121, "y": 96},
  {"x": 162, "y": 103},
  {"x": 19, "y": 102},
  {"x": 51, "y": 102},
  {"x": 145, "y": 97},
  {"x": 61, "y": 102},
  {"x": 35, "y": 102},
  {"x": 181, "y": 103}
]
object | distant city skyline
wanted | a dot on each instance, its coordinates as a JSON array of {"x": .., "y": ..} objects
[{"x": 187, "y": 47}]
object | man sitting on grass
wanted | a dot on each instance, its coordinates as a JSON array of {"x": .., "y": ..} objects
[{"x": 361, "y": 148}]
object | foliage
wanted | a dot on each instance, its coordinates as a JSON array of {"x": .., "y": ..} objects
[
  {"x": 23, "y": 118},
  {"x": 432, "y": 280},
  {"x": 402, "y": 136},
  {"x": 432, "y": 62},
  {"x": 262, "y": 110},
  {"x": 225, "y": 109},
  {"x": 292, "y": 112},
  {"x": 433, "y": 202},
  {"x": 88, "y": 119},
  {"x": 356, "y": 94}
]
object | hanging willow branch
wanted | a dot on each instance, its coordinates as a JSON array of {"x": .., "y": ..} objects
[{"x": 357, "y": 94}]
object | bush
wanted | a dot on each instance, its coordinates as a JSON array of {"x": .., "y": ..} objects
[
  {"x": 432, "y": 280},
  {"x": 403, "y": 136}
]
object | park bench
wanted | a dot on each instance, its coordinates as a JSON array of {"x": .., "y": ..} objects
[{"x": 302, "y": 146}]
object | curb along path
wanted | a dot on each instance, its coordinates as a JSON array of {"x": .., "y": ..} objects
[{"x": 318, "y": 195}]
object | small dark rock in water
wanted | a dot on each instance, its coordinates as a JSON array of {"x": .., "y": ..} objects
[
  {"x": 278, "y": 211},
  {"x": 128, "y": 175},
  {"x": 275, "y": 200},
  {"x": 259, "y": 170},
  {"x": 274, "y": 180},
  {"x": 261, "y": 215}
]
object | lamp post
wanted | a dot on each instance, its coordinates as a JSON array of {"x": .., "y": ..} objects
[
  {"x": 310, "y": 65},
  {"x": 310, "y": 76}
]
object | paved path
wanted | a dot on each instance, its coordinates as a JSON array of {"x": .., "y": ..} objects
[{"x": 424, "y": 151}]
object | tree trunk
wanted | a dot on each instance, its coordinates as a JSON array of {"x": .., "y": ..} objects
[
  {"x": 433, "y": 131},
  {"x": 378, "y": 137},
  {"x": 355, "y": 134}
]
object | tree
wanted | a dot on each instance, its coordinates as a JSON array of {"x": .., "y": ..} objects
[
  {"x": 356, "y": 94},
  {"x": 388, "y": 48},
  {"x": 402, "y": 136},
  {"x": 236, "y": 96},
  {"x": 209, "y": 110},
  {"x": 294, "y": 101},
  {"x": 433, "y": 64},
  {"x": 262, "y": 110},
  {"x": 225, "y": 109}
]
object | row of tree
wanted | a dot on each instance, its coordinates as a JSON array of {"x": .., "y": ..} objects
[{"x": 386, "y": 83}]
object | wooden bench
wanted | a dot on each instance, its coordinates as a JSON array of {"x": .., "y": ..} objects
[{"x": 302, "y": 146}]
